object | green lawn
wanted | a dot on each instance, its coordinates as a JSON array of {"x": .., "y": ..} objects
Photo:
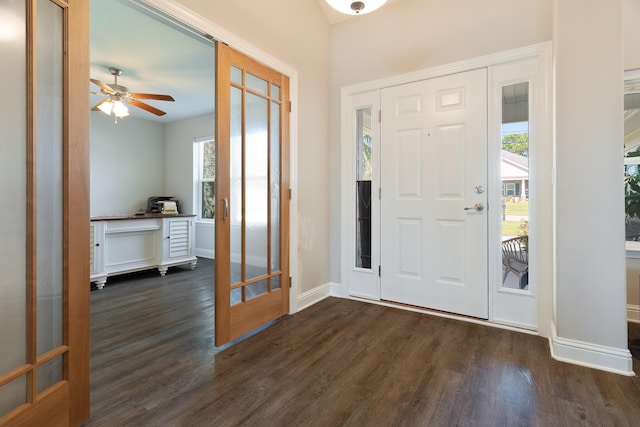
[
  {"x": 517, "y": 208},
  {"x": 511, "y": 228}
]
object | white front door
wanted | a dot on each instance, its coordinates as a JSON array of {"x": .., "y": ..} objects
[{"x": 434, "y": 194}]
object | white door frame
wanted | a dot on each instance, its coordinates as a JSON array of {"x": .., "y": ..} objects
[{"x": 541, "y": 175}]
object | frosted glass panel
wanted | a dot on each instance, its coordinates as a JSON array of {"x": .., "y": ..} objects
[
  {"x": 235, "y": 199},
  {"x": 236, "y": 75},
  {"x": 257, "y": 289},
  {"x": 50, "y": 373},
  {"x": 257, "y": 184},
  {"x": 49, "y": 195},
  {"x": 257, "y": 84},
  {"x": 13, "y": 395},
  {"x": 13, "y": 172},
  {"x": 275, "y": 186}
]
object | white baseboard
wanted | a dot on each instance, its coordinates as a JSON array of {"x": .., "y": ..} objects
[
  {"x": 594, "y": 356},
  {"x": 633, "y": 313},
  {"x": 205, "y": 253},
  {"x": 336, "y": 289},
  {"x": 313, "y": 296}
]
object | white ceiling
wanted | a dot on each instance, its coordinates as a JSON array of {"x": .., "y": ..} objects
[{"x": 157, "y": 56}]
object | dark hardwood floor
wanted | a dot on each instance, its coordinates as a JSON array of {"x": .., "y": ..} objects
[{"x": 337, "y": 363}]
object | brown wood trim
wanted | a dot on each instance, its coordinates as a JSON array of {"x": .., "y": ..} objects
[
  {"x": 16, "y": 373},
  {"x": 222, "y": 243},
  {"x": 51, "y": 354},
  {"x": 32, "y": 168},
  {"x": 76, "y": 218},
  {"x": 51, "y": 406},
  {"x": 285, "y": 185},
  {"x": 255, "y": 312}
]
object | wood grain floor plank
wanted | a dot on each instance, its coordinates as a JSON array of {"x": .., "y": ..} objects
[{"x": 337, "y": 363}]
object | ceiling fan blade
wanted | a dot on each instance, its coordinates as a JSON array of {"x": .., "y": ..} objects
[
  {"x": 147, "y": 107},
  {"x": 151, "y": 96},
  {"x": 95, "y": 107},
  {"x": 102, "y": 86}
]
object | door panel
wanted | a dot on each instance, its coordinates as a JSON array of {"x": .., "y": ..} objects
[
  {"x": 252, "y": 223},
  {"x": 46, "y": 381},
  {"x": 434, "y": 151}
]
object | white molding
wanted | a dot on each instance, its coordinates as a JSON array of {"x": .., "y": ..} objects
[
  {"x": 610, "y": 359},
  {"x": 313, "y": 296},
  {"x": 633, "y": 313},
  {"x": 336, "y": 290},
  {"x": 456, "y": 67}
]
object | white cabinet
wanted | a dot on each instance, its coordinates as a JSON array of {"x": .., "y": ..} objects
[
  {"x": 96, "y": 249},
  {"x": 177, "y": 243},
  {"x": 123, "y": 245}
]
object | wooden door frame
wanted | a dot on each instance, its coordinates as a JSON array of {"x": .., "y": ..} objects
[{"x": 67, "y": 402}]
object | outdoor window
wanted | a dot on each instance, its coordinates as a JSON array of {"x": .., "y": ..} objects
[
  {"x": 206, "y": 182},
  {"x": 515, "y": 182},
  {"x": 363, "y": 188}
]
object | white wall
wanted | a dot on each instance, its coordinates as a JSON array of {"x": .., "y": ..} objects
[
  {"x": 127, "y": 164},
  {"x": 630, "y": 20},
  {"x": 296, "y": 33},
  {"x": 590, "y": 257},
  {"x": 179, "y": 137},
  {"x": 411, "y": 35},
  {"x": 179, "y": 174}
]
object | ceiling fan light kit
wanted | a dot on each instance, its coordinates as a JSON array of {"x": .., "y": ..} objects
[
  {"x": 118, "y": 96},
  {"x": 350, "y": 7}
]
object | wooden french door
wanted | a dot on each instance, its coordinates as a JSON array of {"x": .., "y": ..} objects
[
  {"x": 434, "y": 194},
  {"x": 252, "y": 195},
  {"x": 44, "y": 257}
]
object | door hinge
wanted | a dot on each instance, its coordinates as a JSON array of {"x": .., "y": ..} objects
[
  {"x": 290, "y": 282},
  {"x": 379, "y": 271},
  {"x": 289, "y": 194},
  {"x": 290, "y": 106},
  {"x": 379, "y": 193},
  {"x": 379, "y": 116}
]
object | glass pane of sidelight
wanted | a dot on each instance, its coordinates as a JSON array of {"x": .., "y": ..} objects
[
  {"x": 256, "y": 185},
  {"x": 49, "y": 175},
  {"x": 236, "y": 75},
  {"x": 515, "y": 185},
  {"x": 50, "y": 373},
  {"x": 257, "y": 84},
  {"x": 257, "y": 289},
  {"x": 274, "y": 165},
  {"x": 363, "y": 188},
  {"x": 235, "y": 198},
  {"x": 13, "y": 394},
  {"x": 13, "y": 184}
]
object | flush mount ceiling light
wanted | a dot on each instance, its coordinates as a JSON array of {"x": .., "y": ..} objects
[{"x": 356, "y": 7}]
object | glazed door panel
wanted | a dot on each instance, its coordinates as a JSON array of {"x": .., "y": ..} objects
[
  {"x": 44, "y": 297},
  {"x": 252, "y": 201}
]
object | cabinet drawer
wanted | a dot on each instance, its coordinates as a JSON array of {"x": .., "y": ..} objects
[{"x": 128, "y": 225}]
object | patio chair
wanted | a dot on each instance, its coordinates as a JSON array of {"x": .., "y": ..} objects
[{"x": 515, "y": 259}]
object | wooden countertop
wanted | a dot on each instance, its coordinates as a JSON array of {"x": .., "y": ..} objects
[{"x": 136, "y": 216}]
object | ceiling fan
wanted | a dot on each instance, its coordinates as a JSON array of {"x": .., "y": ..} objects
[{"x": 118, "y": 96}]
